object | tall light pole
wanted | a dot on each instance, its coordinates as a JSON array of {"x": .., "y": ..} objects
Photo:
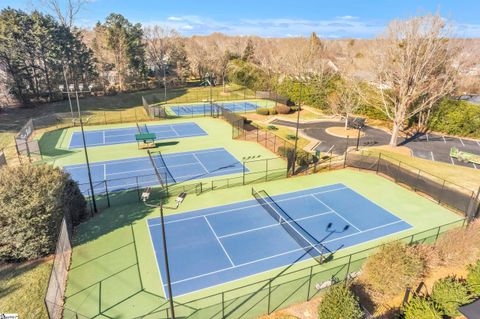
[
  {"x": 301, "y": 80},
  {"x": 165, "y": 61},
  {"x": 179, "y": 200},
  {"x": 68, "y": 93},
  {"x": 71, "y": 89}
]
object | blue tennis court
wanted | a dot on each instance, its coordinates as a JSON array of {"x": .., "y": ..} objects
[
  {"x": 217, "y": 245},
  {"x": 204, "y": 109},
  {"x": 139, "y": 171},
  {"x": 127, "y": 134}
]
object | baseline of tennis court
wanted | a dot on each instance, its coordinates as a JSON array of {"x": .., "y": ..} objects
[
  {"x": 196, "y": 109},
  {"x": 213, "y": 246},
  {"x": 139, "y": 171},
  {"x": 127, "y": 134}
]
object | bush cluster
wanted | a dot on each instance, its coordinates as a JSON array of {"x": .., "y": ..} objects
[
  {"x": 456, "y": 118},
  {"x": 282, "y": 109},
  {"x": 303, "y": 158},
  {"x": 33, "y": 200},
  {"x": 266, "y": 111},
  {"x": 402, "y": 269},
  {"x": 339, "y": 303}
]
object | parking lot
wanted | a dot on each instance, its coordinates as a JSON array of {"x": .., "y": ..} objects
[{"x": 428, "y": 146}]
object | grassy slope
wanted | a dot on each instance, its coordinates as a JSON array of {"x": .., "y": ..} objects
[
  {"x": 22, "y": 288},
  {"x": 463, "y": 176}
]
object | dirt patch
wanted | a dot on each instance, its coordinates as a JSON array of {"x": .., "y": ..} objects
[
  {"x": 304, "y": 310},
  {"x": 342, "y": 132}
]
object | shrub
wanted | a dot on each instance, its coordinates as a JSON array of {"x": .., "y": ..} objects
[
  {"x": 282, "y": 109},
  {"x": 291, "y": 137},
  {"x": 33, "y": 200},
  {"x": 272, "y": 111},
  {"x": 294, "y": 108},
  {"x": 457, "y": 118},
  {"x": 285, "y": 151},
  {"x": 419, "y": 307},
  {"x": 448, "y": 294},
  {"x": 263, "y": 111},
  {"x": 403, "y": 268},
  {"x": 473, "y": 279},
  {"x": 272, "y": 128},
  {"x": 339, "y": 303},
  {"x": 303, "y": 158},
  {"x": 460, "y": 246}
]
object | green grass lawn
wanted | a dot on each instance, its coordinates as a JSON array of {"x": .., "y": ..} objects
[
  {"x": 23, "y": 287},
  {"x": 123, "y": 107}
]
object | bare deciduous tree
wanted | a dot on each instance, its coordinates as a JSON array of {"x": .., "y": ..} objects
[
  {"x": 66, "y": 11},
  {"x": 414, "y": 63},
  {"x": 345, "y": 100}
]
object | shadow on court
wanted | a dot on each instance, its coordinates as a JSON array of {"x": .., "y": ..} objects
[
  {"x": 276, "y": 296},
  {"x": 48, "y": 143},
  {"x": 171, "y": 143}
]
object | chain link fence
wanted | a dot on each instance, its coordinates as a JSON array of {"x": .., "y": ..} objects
[
  {"x": 55, "y": 295},
  {"x": 438, "y": 189}
]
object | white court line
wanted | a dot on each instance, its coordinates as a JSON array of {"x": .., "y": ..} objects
[
  {"x": 478, "y": 143},
  {"x": 201, "y": 164},
  {"x": 174, "y": 131},
  {"x": 246, "y": 207},
  {"x": 104, "y": 172},
  {"x": 461, "y": 141},
  {"x": 156, "y": 258},
  {"x": 333, "y": 210},
  {"x": 288, "y": 252},
  {"x": 426, "y": 134},
  {"x": 474, "y": 165},
  {"x": 139, "y": 159},
  {"x": 273, "y": 225},
  {"x": 103, "y": 137},
  {"x": 444, "y": 141},
  {"x": 433, "y": 158},
  {"x": 221, "y": 245},
  {"x": 451, "y": 160}
]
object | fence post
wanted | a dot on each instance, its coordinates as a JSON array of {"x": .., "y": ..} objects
[
  {"x": 438, "y": 233},
  {"x": 441, "y": 192},
  {"x": 269, "y": 295},
  {"x": 108, "y": 195},
  {"x": 223, "y": 304},
  {"x": 138, "y": 188},
  {"x": 266, "y": 170},
  {"x": 243, "y": 173},
  {"x": 378, "y": 162},
  {"x": 348, "y": 268},
  {"x": 309, "y": 283},
  {"x": 416, "y": 180}
]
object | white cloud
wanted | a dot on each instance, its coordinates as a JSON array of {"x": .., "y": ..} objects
[
  {"x": 339, "y": 27},
  {"x": 175, "y": 19},
  {"x": 347, "y": 17}
]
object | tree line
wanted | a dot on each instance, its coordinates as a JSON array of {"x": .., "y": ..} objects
[{"x": 402, "y": 75}]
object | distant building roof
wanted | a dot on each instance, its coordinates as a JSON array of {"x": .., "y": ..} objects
[
  {"x": 470, "y": 98},
  {"x": 471, "y": 311}
]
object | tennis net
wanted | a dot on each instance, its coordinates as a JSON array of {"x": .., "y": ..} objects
[
  {"x": 142, "y": 128},
  {"x": 155, "y": 168},
  {"x": 297, "y": 232}
]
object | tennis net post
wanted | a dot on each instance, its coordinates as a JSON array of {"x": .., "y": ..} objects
[{"x": 155, "y": 168}]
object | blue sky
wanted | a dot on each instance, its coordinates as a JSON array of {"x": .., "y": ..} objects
[{"x": 277, "y": 18}]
